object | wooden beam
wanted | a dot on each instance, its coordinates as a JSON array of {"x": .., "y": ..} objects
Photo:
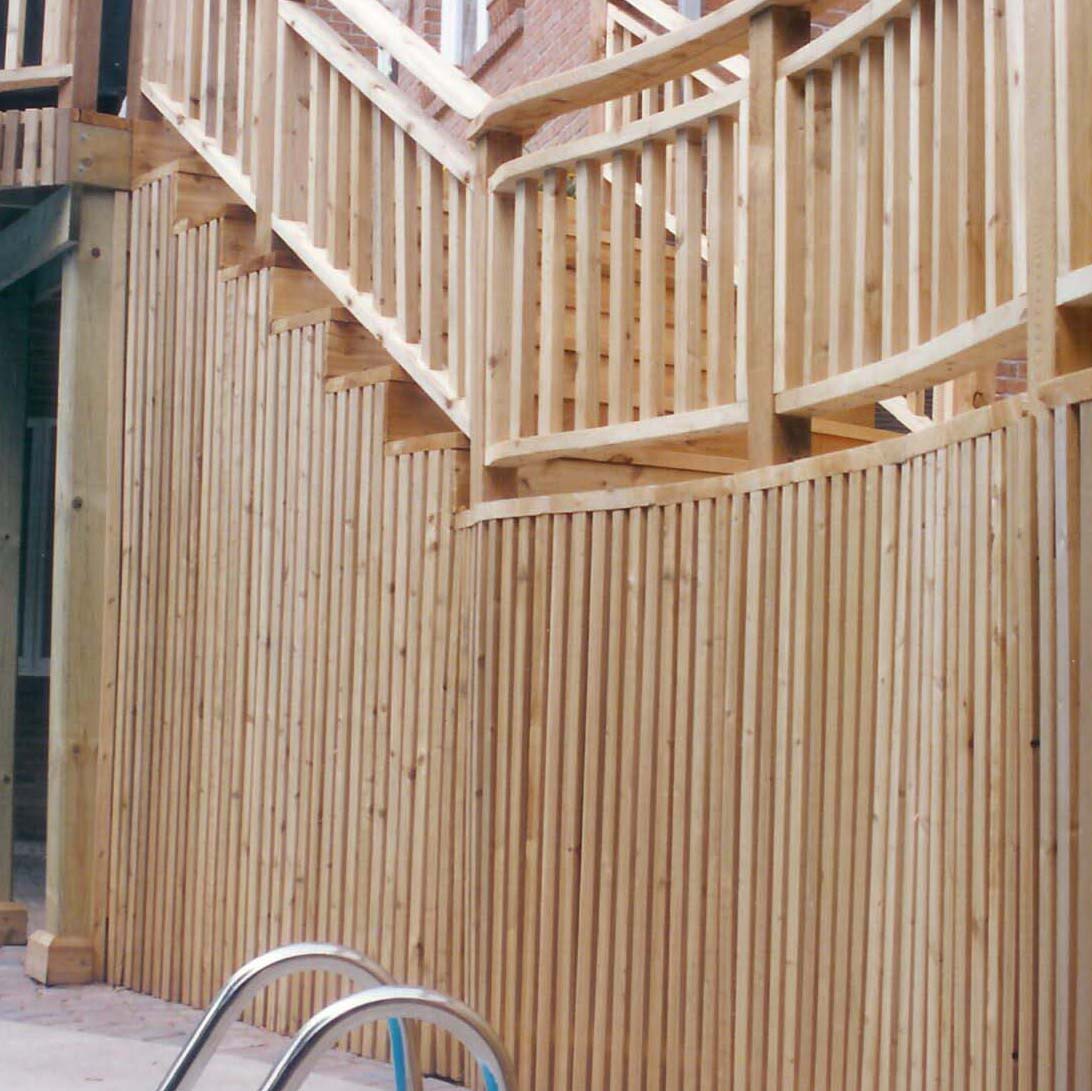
[
  {"x": 775, "y": 33},
  {"x": 991, "y": 337},
  {"x": 716, "y": 420},
  {"x": 36, "y": 237},
  {"x": 436, "y": 72},
  {"x": 13, "y": 378},
  {"x": 84, "y": 579},
  {"x": 659, "y": 60},
  {"x": 34, "y": 76}
]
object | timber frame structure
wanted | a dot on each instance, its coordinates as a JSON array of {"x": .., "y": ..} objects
[{"x": 494, "y": 563}]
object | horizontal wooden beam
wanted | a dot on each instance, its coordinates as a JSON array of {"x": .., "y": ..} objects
[
  {"x": 1075, "y": 288},
  {"x": 660, "y": 126},
  {"x": 450, "y": 84},
  {"x": 889, "y": 452},
  {"x": 38, "y": 236},
  {"x": 583, "y": 442},
  {"x": 34, "y": 76},
  {"x": 984, "y": 340},
  {"x": 667, "y": 57}
]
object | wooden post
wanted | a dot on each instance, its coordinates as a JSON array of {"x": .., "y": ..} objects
[
  {"x": 492, "y": 149},
  {"x": 84, "y": 38},
  {"x": 13, "y": 369},
  {"x": 775, "y": 32},
  {"x": 136, "y": 105},
  {"x": 84, "y": 581}
]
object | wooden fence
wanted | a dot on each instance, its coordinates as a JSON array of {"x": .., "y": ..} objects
[
  {"x": 756, "y": 781},
  {"x": 285, "y": 759}
]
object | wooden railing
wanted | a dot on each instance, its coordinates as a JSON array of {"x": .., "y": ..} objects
[
  {"x": 617, "y": 331},
  {"x": 631, "y": 23},
  {"x": 901, "y": 232},
  {"x": 34, "y": 39},
  {"x": 360, "y": 182}
]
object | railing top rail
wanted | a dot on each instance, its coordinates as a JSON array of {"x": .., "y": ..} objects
[
  {"x": 452, "y": 153},
  {"x": 844, "y": 37},
  {"x": 668, "y": 18},
  {"x": 667, "y": 57},
  {"x": 427, "y": 64},
  {"x": 601, "y": 146}
]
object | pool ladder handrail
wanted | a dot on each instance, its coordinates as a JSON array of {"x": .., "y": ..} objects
[
  {"x": 263, "y": 971},
  {"x": 393, "y": 1003}
]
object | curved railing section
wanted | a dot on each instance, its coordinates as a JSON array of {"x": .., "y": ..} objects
[
  {"x": 394, "y": 1003},
  {"x": 263, "y": 971}
]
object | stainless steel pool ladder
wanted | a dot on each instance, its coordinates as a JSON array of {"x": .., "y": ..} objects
[
  {"x": 396, "y": 1004},
  {"x": 259, "y": 974}
]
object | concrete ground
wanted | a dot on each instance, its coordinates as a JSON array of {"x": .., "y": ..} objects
[{"x": 74, "y": 1039}]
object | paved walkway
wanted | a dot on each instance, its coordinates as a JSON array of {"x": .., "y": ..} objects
[{"x": 73, "y": 1039}]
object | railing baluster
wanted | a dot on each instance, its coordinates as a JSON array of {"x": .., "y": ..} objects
[
  {"x": 227, "y": 103},
  {"x": 588, "y": 291},
  {"x": 896, "y": 194},
  {"x": 338, "y": 150},
  {"x": 999, "y": 210},
  {"x": 14, "y": 34},
  {"x": 552, "y": 352},
  {"x": 921, "y": 173},
  {"x": 407, "y": 264},
  {"x": 817, "y": 197},
  {"x": 653, "y": 281},
  {"x": 622, "y": 286},
  {"x": 432, "y": 261},
  {"x": 209, "y": 89},
  {"x": 525, "y": 310},
  {"x": 290, "y": 196},
  {"x": 721, "y": 265},
  {"x": 688, "y": 316},
  {"x": 360, "y": 191},
  {"x": 456, "y": 284},
  {"x": 843, "y": 196},
  {"x": 318, "y": 163},
  {"x": 867, "y": 292},
  {"x": 383, "y": 213}
]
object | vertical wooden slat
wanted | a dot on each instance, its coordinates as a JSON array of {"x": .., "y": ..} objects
[
  {"x": 622, "y": 288},
  {"x": 551, "y": 339},
  {"x": 525, "y": 317},
  {"x": 588, "y": 292},
  {"x": 688, "y": 386},
  {"x": 721, "y": 265},
  {"x": 868, "y": 218},
  {"x": 843, "y": 215},
  {"x": 432, "y": 262},
  {"x": 896, "y": 195},
  {"x": 653, "y": 297},
  {"x": 408, "y": 254}
]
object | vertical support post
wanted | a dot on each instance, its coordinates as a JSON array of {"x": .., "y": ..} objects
[
  {"x": 263, "y": 121},
  {"x": 84, "y": 580},
  {"x": 84, "y": 38},
  {"x": 492, "y": 150},
  {"x": 13, "y": 361},
  {"x": 137, "y": 107},
  {"x": 775, "y": 32}
]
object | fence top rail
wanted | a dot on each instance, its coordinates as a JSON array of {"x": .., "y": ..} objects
[
  {"x": 662, "y": 126},
  {"x": 844, "y": 37},
  {"x": 449, "y": 151},
  {"x": 666, "y": 57},
  {"x": 449, "y": 83}
]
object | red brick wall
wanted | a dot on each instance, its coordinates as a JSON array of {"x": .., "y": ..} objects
[{"x": 528, "y": 39}]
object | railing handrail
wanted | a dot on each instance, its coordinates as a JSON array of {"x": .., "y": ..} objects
[
  {"x": 667, "y": 19},
  {"x": 602, "y": 146},
  {"x": 666, "y": 57},
  {"x": 385, "y": 95},
  {"x": 258, "y": 974},
  {"x": 867, "y": 21},
  {"x": 449, "y": 83},
  {"x": 401, "y": 1003}
]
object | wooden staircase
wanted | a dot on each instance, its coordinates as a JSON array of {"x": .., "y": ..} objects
[{"x": 466, "y": 266}]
